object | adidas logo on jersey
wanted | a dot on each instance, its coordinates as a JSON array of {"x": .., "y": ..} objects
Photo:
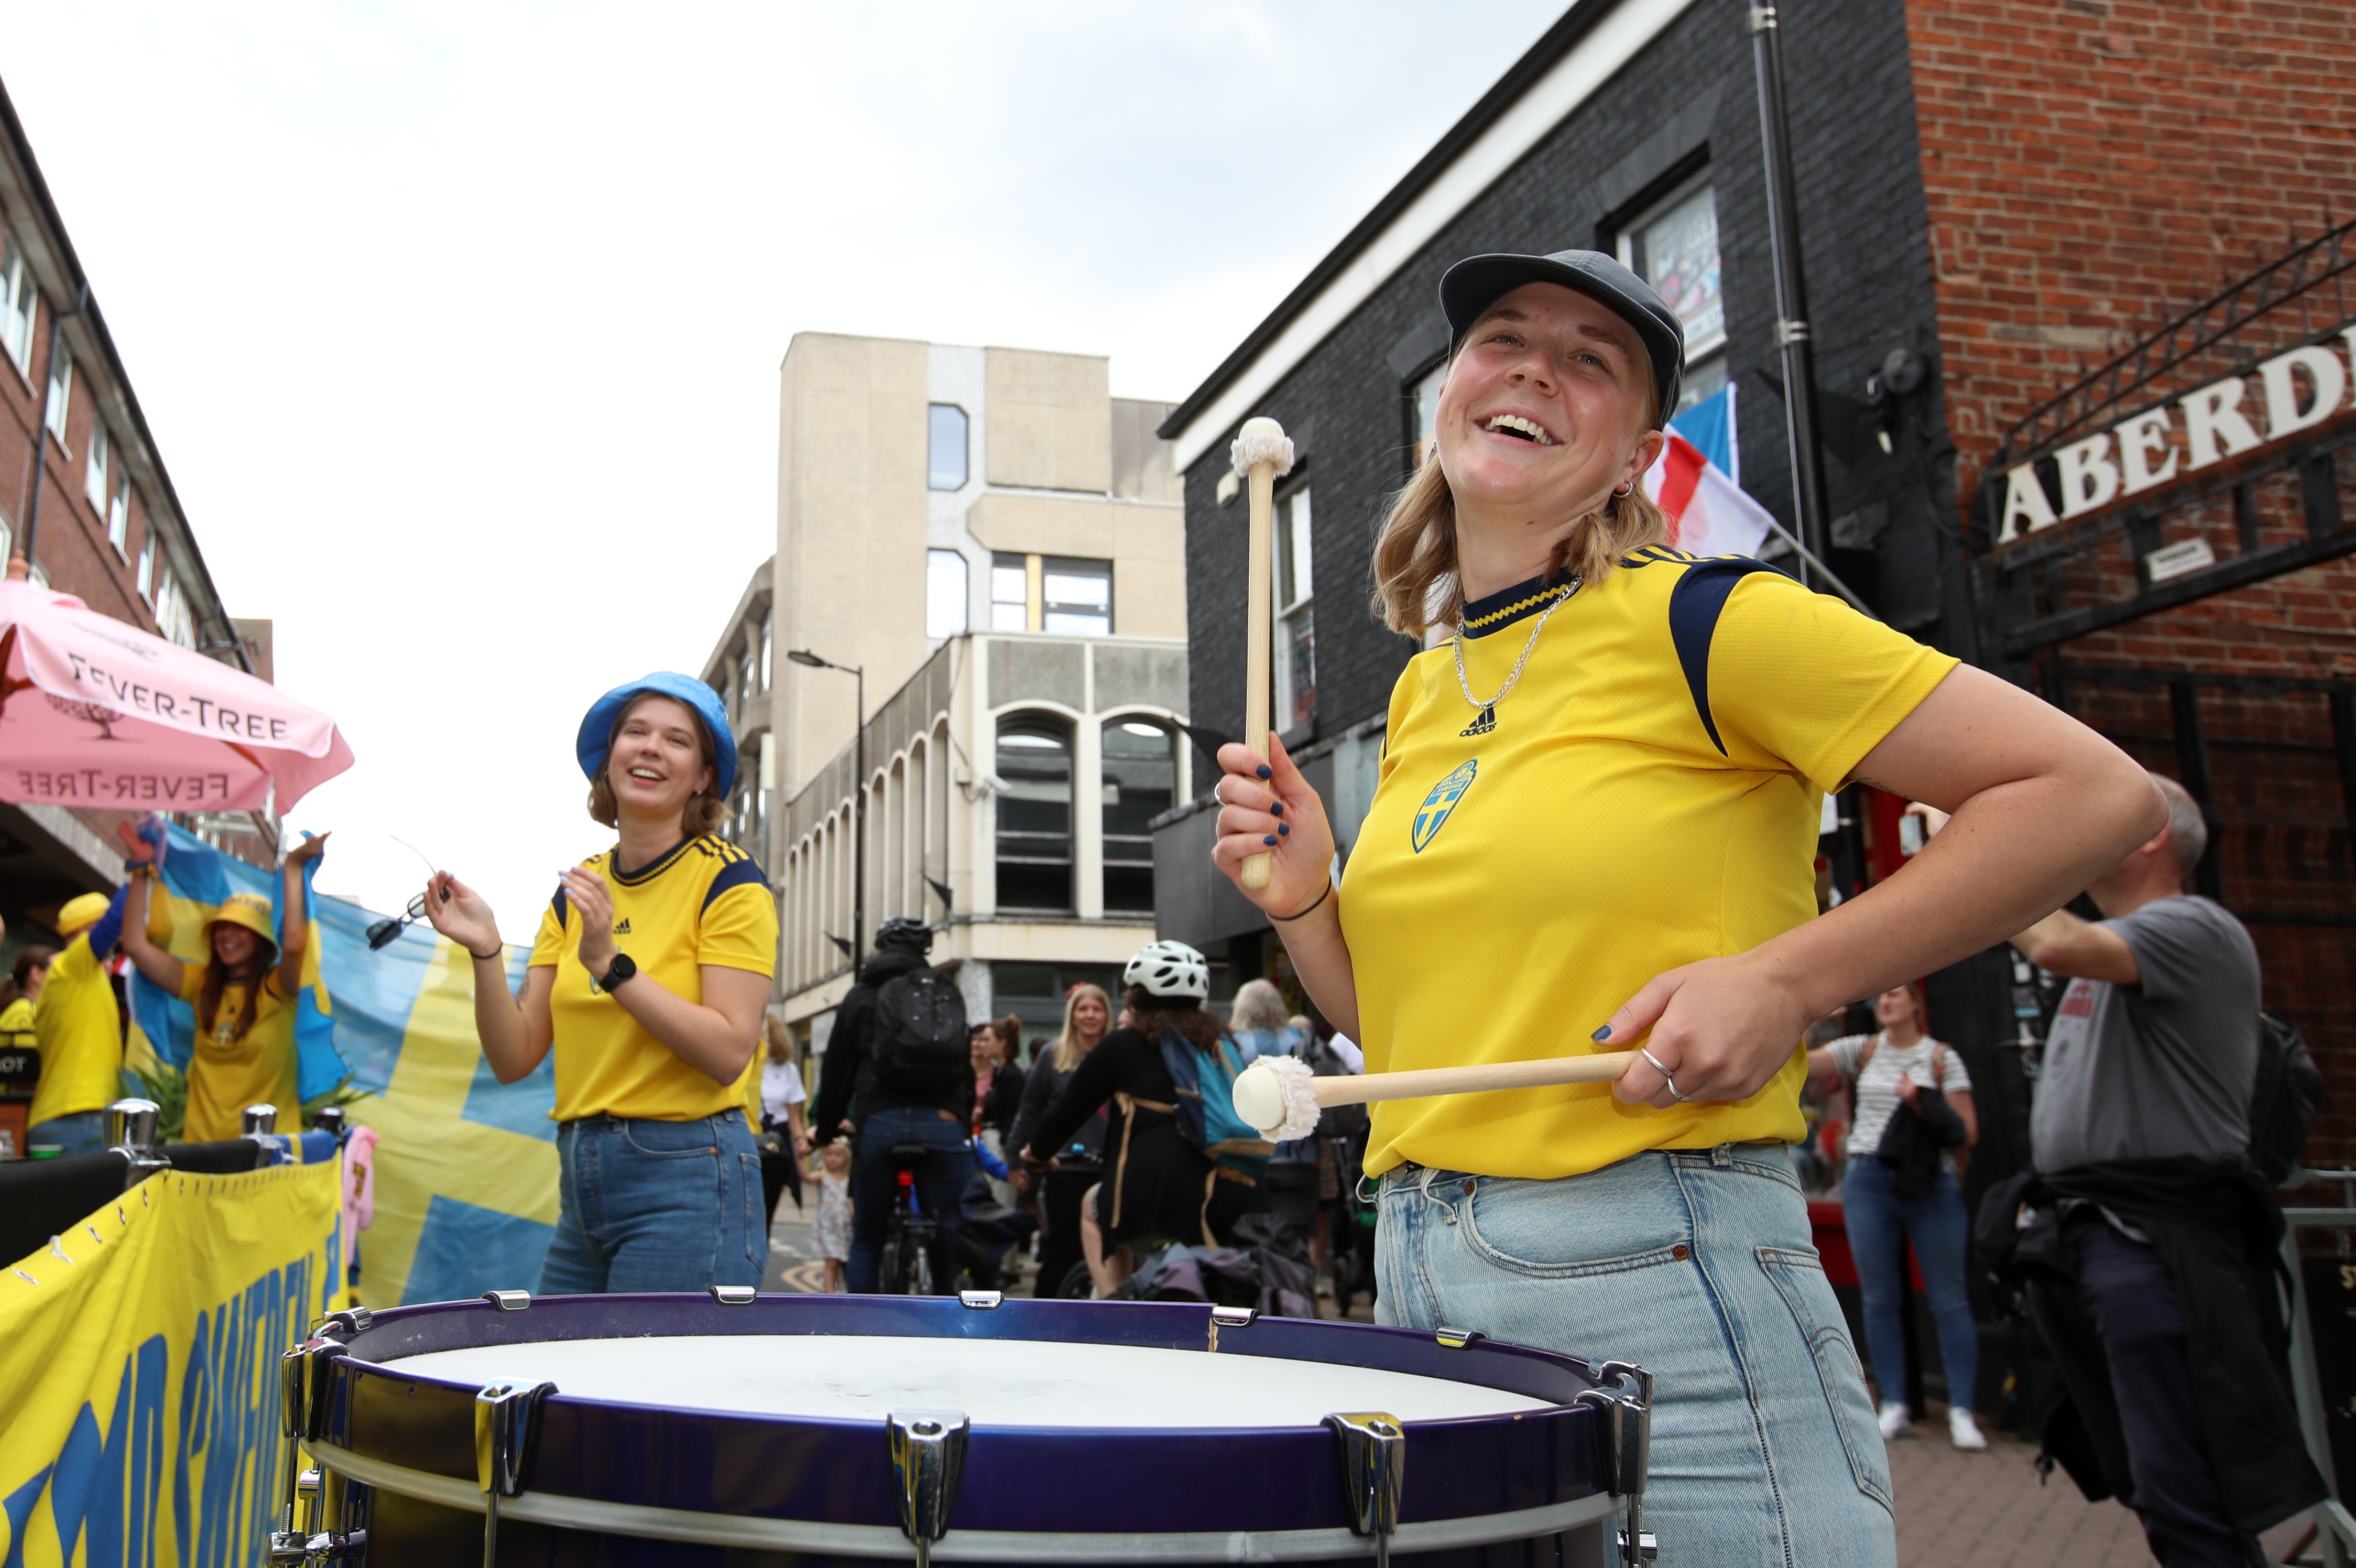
[
  {"x": 1482, "y": 726},
  {"x": 622, "y": 927}
]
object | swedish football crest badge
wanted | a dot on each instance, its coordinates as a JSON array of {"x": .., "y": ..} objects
[{"x": 1440, "y": 803}]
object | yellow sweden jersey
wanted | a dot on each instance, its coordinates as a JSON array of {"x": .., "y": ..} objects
[
  {"x": 80, "y": 1031},
  {"x": 1649, "y": 795},
  {"x": 704, "y": 902}
]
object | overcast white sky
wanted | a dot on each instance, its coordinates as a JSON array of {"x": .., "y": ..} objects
[{"x": 459, "y": 324}]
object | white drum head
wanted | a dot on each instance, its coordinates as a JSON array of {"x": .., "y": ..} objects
[{"x": 996, "y": 1383}]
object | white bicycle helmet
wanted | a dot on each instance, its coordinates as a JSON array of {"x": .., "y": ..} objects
[{"x": 1169, "y": 968}]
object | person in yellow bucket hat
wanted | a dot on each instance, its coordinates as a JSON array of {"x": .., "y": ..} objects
[
  {"x": 79, "y": 1030},
  {"x": 245, "y": 998}
]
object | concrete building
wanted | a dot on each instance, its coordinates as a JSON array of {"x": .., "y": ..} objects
[
  {"x": 77, "y": 461},
  {"x": 2085, "y": 412},
  {"x": 994, "y": 543}
]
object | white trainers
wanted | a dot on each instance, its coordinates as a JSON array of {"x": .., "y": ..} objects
[
  {"x": 1963, "y": 1431},
  {"x": 1893, "y": 1421}
]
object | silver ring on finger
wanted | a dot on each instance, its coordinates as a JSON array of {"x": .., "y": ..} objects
[{"x": 1671, "y": 1081}]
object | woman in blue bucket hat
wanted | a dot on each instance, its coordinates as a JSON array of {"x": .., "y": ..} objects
[{"x": 649, "y": 980}]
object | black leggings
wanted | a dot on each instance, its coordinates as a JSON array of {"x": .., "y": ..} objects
[{"x": 1059, "y": 1237}]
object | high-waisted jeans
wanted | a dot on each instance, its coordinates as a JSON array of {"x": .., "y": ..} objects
[
  {"x": 657, "y": 1205},
  {"x": 1695, "y": 1265},
  {"x": 1880, "y": 1224}
]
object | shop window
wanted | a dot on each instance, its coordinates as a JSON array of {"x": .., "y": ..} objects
[
  {"x": 1075, "y": 596},
  {"x": 1674, "y": 247},
  {"x": 18, "y": 301},
  {"x": 1296, "y": 616},
  {"x": 943, "y": 593},
  {"x": 1035, "y": 813},
  {"x": 60, "y": 392},
  {"x": 1141, "y": 782},
  {"x": 945, "y": 466},
  {"x": 1010, "y": 591}
]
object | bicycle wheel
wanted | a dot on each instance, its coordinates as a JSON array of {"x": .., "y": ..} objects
[{"x": 1078, "y": 1284}]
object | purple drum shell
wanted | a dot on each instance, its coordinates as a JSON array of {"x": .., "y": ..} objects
[{"x": 1120, "y": 1482}]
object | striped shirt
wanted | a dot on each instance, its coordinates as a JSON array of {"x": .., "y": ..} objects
[{"x": 1875, "y": 1089}]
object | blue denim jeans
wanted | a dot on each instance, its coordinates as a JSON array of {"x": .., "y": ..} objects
[
  {"x": 940, "y": 1184},
  {"x": 83, "y": 1133},
  {"x": 656, "y": 1206},
  {"x": 1936, "y": 1224},
  {"x": 1695, "y": 1265}
]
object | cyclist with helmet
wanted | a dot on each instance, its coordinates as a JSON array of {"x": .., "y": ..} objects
[
  {"x": 646, "y": 984},
  {"x": 79, "y": 1029},
  {"x": 892, "y": 1104},
  {"x": 243, "y": 994},
  {"x": 1159, "y": 1185}
]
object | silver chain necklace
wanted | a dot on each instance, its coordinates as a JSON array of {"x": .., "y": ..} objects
[{"x": 1465, "y": 686}]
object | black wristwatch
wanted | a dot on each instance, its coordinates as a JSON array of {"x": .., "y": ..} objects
[{"x": 623, "y": 967}]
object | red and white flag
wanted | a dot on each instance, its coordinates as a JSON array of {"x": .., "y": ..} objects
[{"x": 1709, "y": 514}]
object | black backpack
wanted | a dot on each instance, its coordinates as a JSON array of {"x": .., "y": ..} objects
[
  {"x": 2285, "y": 1097},
  {"x": 919, "y": 1034}
]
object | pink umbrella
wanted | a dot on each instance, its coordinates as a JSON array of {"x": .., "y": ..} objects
[{"x": 98, "y": 713}]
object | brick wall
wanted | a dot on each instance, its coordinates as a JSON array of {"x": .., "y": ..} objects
[{"x": 2090, "y": 168}]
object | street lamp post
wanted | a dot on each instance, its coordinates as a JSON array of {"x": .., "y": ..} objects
[{"x": 803, "y": 656}]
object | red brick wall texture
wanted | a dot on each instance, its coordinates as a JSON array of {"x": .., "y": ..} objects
[{"x": 2093, "y": 168}]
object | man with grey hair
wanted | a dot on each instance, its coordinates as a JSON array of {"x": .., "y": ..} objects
[{"x": 2150, "y": 1210}]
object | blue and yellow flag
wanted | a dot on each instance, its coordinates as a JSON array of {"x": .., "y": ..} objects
[
  {"x": 465, "y": 1167},
  {"x": 195, "y": 880}
]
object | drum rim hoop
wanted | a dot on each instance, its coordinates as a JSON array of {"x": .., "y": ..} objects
[{"x": 877, "y": 1541}]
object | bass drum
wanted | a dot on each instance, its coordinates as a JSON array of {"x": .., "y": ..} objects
[{"x": 818, "y": 1431}]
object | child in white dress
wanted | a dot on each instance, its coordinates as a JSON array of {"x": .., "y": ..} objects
[{"x": 832, "y": 1229}]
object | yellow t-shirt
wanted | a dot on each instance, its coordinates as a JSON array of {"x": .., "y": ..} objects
[
  {"x": 1648, "y": 795},
  {"x": 231, "y": 1071},
  {"x": 17, "y": 1026},
  {"x": 704, "y": 903},
  {"x": 80, "y": 1031}
]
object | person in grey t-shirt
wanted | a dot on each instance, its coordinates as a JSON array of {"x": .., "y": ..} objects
[{"x": 2151, "y": 1057}]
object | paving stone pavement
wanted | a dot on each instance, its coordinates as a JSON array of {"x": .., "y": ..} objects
[{"x": 1989, "y": 1510}]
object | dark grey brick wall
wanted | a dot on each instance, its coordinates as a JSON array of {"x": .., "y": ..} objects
[{"x": 1690, "y": 96}]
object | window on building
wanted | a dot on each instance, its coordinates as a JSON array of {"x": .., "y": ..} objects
[
  {"x": 1010, "y": 591},
  {"x": 1423, "y": 398},
  {"x": 18, "y": 303},
  {"x": 945, "y": 448},
  {"x": 118, "y": 515},
  {"x": 1035, "y": 813},
  {"x": 1674, "y": 247},
  {"x": 769, "y": 626},
  {"x": 174, "y": 615},
  {"x": 745, "y": 665},
  {"x": 1141, "y": 782},
  {"x": 943, "y": 593},
  {"x": 1075, "y": 596},
  {"x": 60, "y": 392},
  {"x": 94, "y": 474},
  {"x": 1296, "y": 615},
  {"x": 147, "y": 567}
]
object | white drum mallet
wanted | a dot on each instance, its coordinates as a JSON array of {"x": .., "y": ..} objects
[
  {"x": 1282, "y": 1097},
  {"x": 1260, "y": 453}
]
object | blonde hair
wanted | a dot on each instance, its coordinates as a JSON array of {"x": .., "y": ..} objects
[
  {"x": 1415, "y": 585},
  {"x": 1258, "y": 1005},
  {"x": 1068, "y": 1049},
  {"x": 704, "y": 813},
  {"x": 779, "y": 1039}
]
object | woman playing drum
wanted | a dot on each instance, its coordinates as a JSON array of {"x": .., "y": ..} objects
[
  {"x": 1612, "y": 821},
  {"x": 648, "y": 980}
]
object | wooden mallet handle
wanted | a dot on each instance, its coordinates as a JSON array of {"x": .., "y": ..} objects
[
  {"x": 1260, "y": 453},
  {"x": 1601, "y": 1067}
]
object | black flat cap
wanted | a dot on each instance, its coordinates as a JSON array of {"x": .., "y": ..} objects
[{"x": 1476, "y": 282}]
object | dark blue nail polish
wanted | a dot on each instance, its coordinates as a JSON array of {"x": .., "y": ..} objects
[
  {"x": 1266, "y": 771},
  {"x": 1603, "y": 1033},
  {"x": 1275, "y": 808},
  {"x": 1285, "y": 828},
  {"x": 1270, "y": 841}
]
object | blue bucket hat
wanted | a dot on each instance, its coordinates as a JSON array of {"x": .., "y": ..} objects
[{"x": 597, "y": 739}]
